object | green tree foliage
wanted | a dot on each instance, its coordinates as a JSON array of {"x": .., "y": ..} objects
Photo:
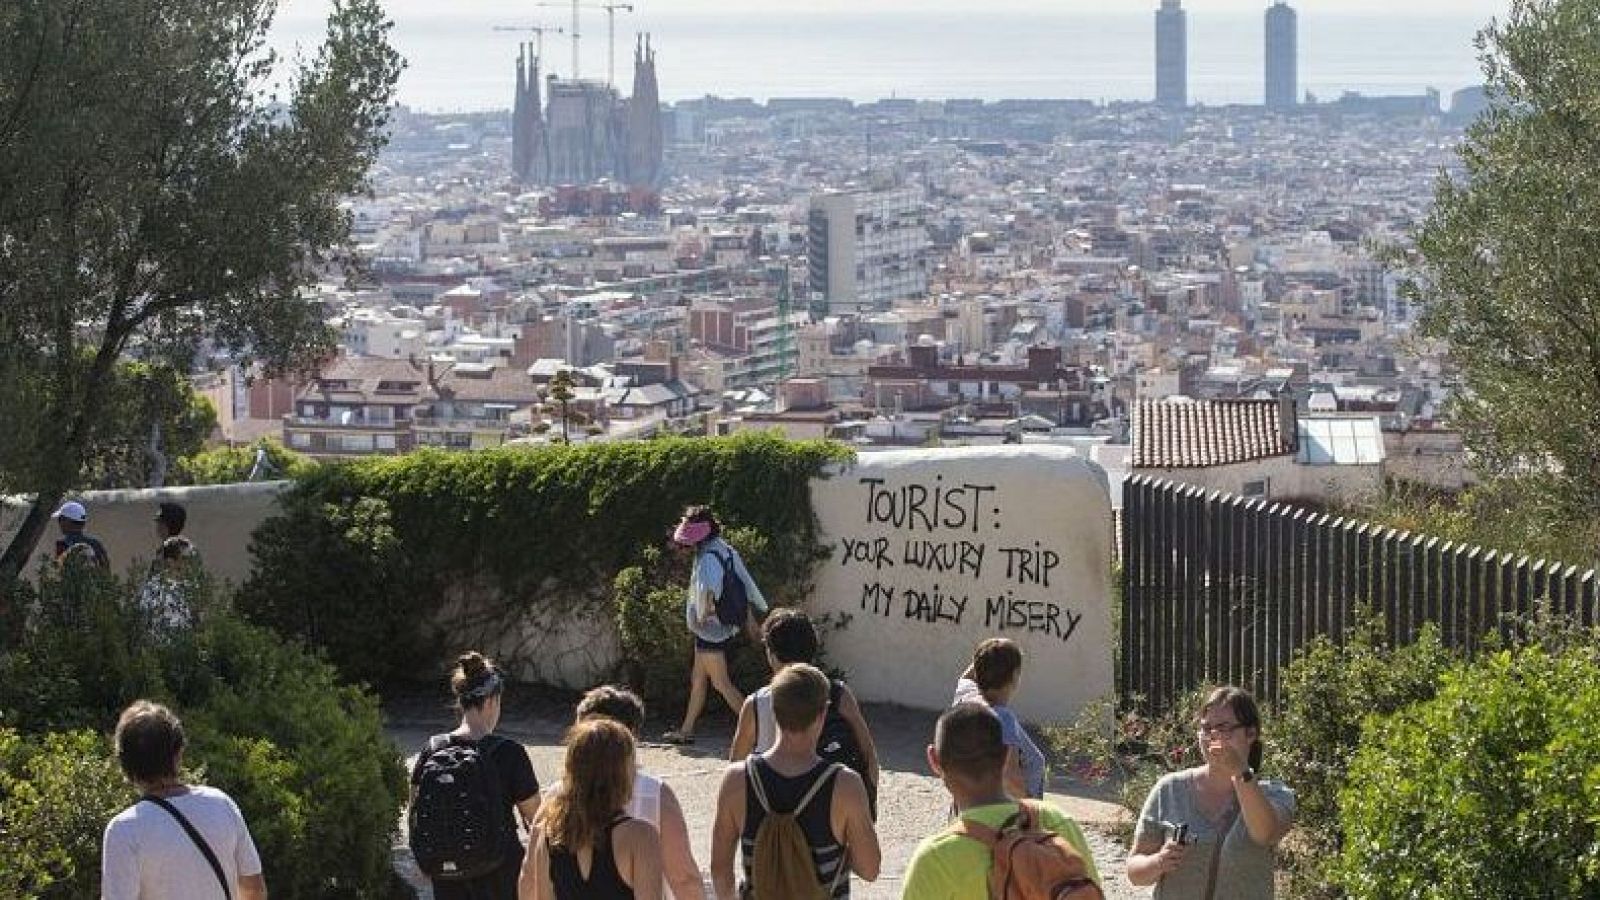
[
  {"x": 1487, "y": 791},
  {"x": 366, "y": 553},
  {"x": 303, "y": 754},
  {"x": 231, "y": 465},
  {"x": 1508, "y": 263},
  {"x": 155, "y": 191},
  {"x": 1328, "y": 691}
]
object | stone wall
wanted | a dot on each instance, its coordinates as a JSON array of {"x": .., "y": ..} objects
[
  {"x": 935, "y": 550},
  {"x": 932, "y": 551},
  {"x": 221, "y": 520}
]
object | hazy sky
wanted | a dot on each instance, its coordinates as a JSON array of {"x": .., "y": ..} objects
[{"x": 298, "y": 9}]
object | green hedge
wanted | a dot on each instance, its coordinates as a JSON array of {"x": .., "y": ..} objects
[
  {"x": 1489, "y": 790},
  {"x": 304, "y": 755},
  {"x": 365, "y": 552}
]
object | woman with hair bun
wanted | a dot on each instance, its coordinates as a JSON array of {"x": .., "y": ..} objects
[
  {"x": 1210, "y": 831},
  {"x": 585, "y": 846},
  {"x": 467, "y": 789}
]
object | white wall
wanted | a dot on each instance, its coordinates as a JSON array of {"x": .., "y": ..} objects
[
  {"x": 935, "y": 550},
  {"x": 221, "y": 520},
  {"x": 1288, "y": 479}
]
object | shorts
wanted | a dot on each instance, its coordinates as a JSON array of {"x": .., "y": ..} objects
[{"x": 701, "y": 645}]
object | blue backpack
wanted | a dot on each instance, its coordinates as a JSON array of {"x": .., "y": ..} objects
[{"x": 733, "y": 602}]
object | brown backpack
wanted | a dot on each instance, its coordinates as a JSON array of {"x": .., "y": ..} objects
[
  {"x": 1029, "y": 863},
  {"x": 783, "y": 868}
]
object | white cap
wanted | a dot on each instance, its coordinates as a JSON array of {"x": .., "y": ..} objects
[{"x": 73, "y": 511}]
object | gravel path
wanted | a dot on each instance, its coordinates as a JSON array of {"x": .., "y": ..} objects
[{"x": 913, "y": 804}]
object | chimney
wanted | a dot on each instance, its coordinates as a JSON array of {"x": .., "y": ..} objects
[{"x": 1288, "y": 420}]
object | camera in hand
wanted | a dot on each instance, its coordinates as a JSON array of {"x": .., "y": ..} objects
[{"x": 1176, "y": 832}]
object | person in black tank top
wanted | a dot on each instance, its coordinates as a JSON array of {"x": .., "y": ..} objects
[
  {"x": 585, "y": 817},
  {"x": 604, "y": 881},
  {"x": 836, "y": 821}
]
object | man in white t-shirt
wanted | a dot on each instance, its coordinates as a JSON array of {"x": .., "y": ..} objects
[{"x": 178, "y": 841}]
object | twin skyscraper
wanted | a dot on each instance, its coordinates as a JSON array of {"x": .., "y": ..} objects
[{"x": 1172, "y": 56}]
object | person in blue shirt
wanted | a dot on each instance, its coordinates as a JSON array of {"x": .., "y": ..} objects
[
  {"x": 72, "y": 518},
  {"x": 713, "y": 560},
  {"x": 992, "y": 679}
]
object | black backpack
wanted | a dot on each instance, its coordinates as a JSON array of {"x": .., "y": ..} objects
[
  {"x": 837, "y": 742},
  {"x": 733, "y": 603},
  {"x": 457, "y": 822}
]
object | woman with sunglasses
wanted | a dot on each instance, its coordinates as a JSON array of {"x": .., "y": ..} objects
[{"x": 1210, "y": 831}]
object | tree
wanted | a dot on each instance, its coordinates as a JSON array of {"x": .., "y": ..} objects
[
  {"x": 156, "y": 193},
  {"x": 1507, "y": 265},
  {"x": 561, "y": 392}
]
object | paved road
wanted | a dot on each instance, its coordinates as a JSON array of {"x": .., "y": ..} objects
[{"x": 913, "y": 804}]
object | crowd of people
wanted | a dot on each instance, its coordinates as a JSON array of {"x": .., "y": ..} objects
[{"x": 796, "y": 808}]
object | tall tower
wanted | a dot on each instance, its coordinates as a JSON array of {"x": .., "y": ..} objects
[
  {"x": 644, "y": 151},
  {"x": 529, "y": 150},
  {"x": 1172, "y": 55},
  {"x": 1282, "y": 57}
]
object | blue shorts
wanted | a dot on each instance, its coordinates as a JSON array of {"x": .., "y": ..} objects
[{"x": 701, "y": 645}]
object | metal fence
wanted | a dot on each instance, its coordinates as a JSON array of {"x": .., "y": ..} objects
[{"x": 1223, "y": 589}]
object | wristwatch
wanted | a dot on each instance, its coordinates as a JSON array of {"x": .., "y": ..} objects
[{"x": 1248, "y": 775}]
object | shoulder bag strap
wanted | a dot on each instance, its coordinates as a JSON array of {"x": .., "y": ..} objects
[
  {"x": 199, "y": 842},
  {"x": 1216, "y": 857}
]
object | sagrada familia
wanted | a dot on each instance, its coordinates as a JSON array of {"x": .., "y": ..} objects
[{"x": 587, "y": 132}]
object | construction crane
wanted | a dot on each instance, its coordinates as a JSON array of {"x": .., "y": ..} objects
[
  {"x": 611, "y": 28},
  {"x": 538, "y": 31}
]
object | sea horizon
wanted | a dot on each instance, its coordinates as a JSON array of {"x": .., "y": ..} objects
[{"x": 458, "y": 63}]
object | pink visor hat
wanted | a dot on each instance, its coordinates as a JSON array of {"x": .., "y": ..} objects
[{"x": 691, "y": 533}]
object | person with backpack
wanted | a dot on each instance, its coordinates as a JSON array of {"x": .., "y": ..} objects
[
  {"x": 653, "y": 799},
  {"x": 999, "y": 847},
  {"x": 993, "y": 678},
  {"x": 584, "y": 845},
  {"x": 179, "y": 841},
  {"x": 1210, "y": 831},
  {"x": 801, "y": 824},
  {"x": 790, "y": 637},
  {"x": 717, "y": 608},
  {"x": 467, "y": 789}
]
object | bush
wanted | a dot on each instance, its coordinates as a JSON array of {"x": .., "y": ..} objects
[
  {"x": 1489, "y": 790},
  {"x": 57, "y": 791},
  {"x": 231, "y": 465},
  {"x": 305, "y": 757},
  {"x": 1328, "y": 691},
  {"x": 529, "y": 533}
]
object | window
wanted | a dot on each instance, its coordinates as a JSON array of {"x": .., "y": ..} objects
[
  {"x": 1261, "y": 488},
  {"x": 460, "y": 441},
  {"x": 353, "y": 443},
  {"x": 299, "y": 440},
  {"x": 384, "y": 442}
]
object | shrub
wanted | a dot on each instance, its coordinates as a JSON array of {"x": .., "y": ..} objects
[
  {"x": 1328, "y": 691},
  {"x": 366, "y": 553},
  {"x": 1488, "y": 790},
  {"x": 57, "y": 791},
  {"x": 231, "y": 465},
  {"x": 305, "y": 757}
]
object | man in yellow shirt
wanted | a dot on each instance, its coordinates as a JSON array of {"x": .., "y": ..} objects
[{"x": 969, "y": 755}]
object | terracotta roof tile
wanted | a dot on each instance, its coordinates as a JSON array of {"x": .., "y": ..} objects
[{"x": 1177, "y": 434}]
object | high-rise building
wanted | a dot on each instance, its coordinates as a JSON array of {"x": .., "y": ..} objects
[
  {"x": 643, "y": 161},
  {"x": 1282, "y": 57},
  {"x": 867, "y": 248},
  {"x": 1172, "y": 55}
]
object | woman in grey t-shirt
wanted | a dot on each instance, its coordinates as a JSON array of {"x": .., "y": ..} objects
[{"x": 1210, "y": 832}]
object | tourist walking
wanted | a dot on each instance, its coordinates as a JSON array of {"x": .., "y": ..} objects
[
  {"x": 75, "y": 542},
  {"x": 467, "y": 790},
  {"x": 584, "y": 844},
  {"x": 790, "y": 637},
  {"x": 179, "y": 841},
  {"x": 717, "y": 608},
  {"x": 653, "y": 799},
  {"x": 801, "y": 824},
  {"x": 969, "y": 755},
  {"x": 1210, "y": 831},
  {"x": 993, "y": 678}
]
